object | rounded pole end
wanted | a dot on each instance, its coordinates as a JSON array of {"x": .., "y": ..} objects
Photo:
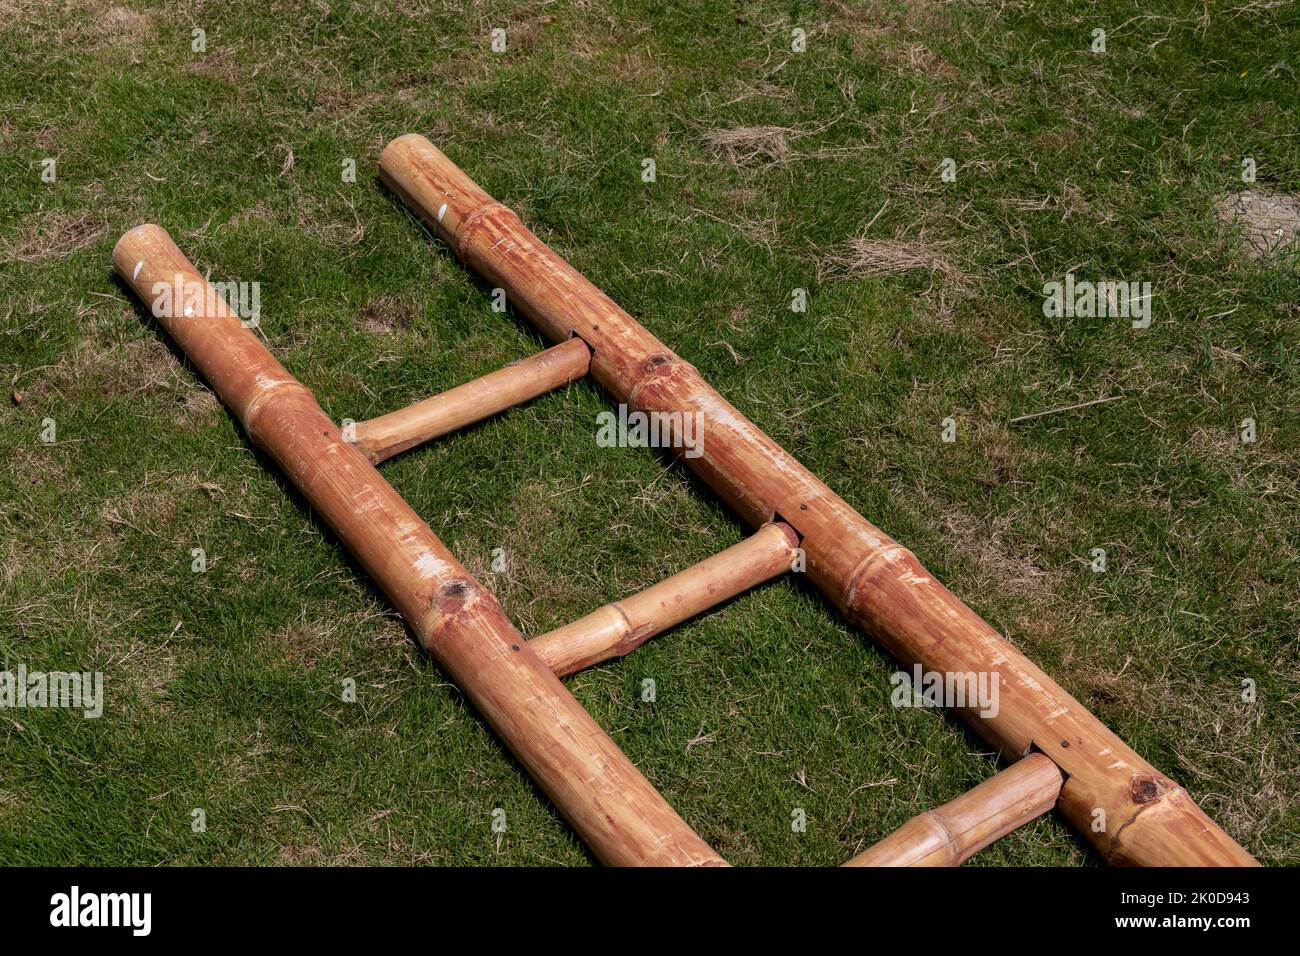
[
  {"x": 135, "y": 244},
  {"x": 406, "y": 139}
]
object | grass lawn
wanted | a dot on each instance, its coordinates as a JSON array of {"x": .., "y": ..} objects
[{"x": 776, "y": 170}]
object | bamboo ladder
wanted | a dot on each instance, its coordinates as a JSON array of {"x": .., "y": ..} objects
[{"x": 1061, "y": 756}]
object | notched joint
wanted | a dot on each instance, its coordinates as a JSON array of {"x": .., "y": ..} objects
[
  {"x": 792, "y": 534},
  {"x": 1033, "y": 748}
]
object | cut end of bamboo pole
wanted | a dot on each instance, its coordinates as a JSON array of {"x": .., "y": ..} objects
[
  {"x": 201, "y": 322},
  {"x": 431, "y": 185},
  {"x": 142, "y": 238}
]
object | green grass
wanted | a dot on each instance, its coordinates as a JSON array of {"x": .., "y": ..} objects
[{"x": 223, "y": 689}]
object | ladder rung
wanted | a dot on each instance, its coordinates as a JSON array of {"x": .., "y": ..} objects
[
  {"x": 385, "y": 436},
  {"x": 625, "y": 625},
  {"x": 950, "y": 834},
  {"x": 610, "y": 803}
]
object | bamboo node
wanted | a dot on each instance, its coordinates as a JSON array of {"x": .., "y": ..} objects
[
  {"x": 468, "y": 223},
  {"x": 856, "y": 578},
  {"x": 269, "y": 390}
]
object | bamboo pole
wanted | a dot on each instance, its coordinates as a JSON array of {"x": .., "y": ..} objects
[
  {"x": 381, "y": 438},
  {"x": 1130, "y": 811},
  {"x": 603, "y": 795},
  {"x": 621, "y": 627},
  {"x": 949, "y": 835}
]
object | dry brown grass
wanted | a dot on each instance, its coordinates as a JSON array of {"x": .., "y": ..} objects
[
  {"x": 318, "y": 223},
  {"x": 876, "y": 16},
  {"x": 145, "y": 669},
  {"x": 148, "y": 509},
  {"x": 1232, "y": 757},
  {"x": 89, "y": 24},
  {"x": 762, "y": 147},
  {"x": 385, "y": 315},
  {"x": 1267, "y": 223},
  {"x": 141, "y": 367},
  {"x": 55, "y": 235},
  {"x": 309, "y": 639},
  {"x": 746, "y": 145},
  {"x": 864, "y": 256},
  {"x": 199, "y": 409},
  {"x": 123, "y": 25},
  {"x": 224, "y": 63},
  {"x": 918, "y": 59},
  {"x": 1017, "y": 569}
]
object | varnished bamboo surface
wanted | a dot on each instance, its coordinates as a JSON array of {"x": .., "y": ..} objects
[
  {"x": 950, "y": 834},
  {"x": 619, "y": 628},
  {"x": 602, "y": 794},
  {"x": 880, "y": 585},
  {"x": 440, "y": 414}
]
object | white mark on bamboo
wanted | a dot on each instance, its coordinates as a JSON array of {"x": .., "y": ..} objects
[
  {"x": 367, "y": 500},
  {"x": 407, "y": 529},
  {"x": 442, "y": 210},
  {"x": 429, "y": 565},
  {"x": 1025, "y": 680},
  {"x": 136, "y": 273}
]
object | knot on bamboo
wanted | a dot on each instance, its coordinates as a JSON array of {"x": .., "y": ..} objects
[
  {"x": 456, "y": 606},
  {"x": 1145, "y": 787},
  {"x": 454, "y": 596},
  {"x": 658, "y": 368}
]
